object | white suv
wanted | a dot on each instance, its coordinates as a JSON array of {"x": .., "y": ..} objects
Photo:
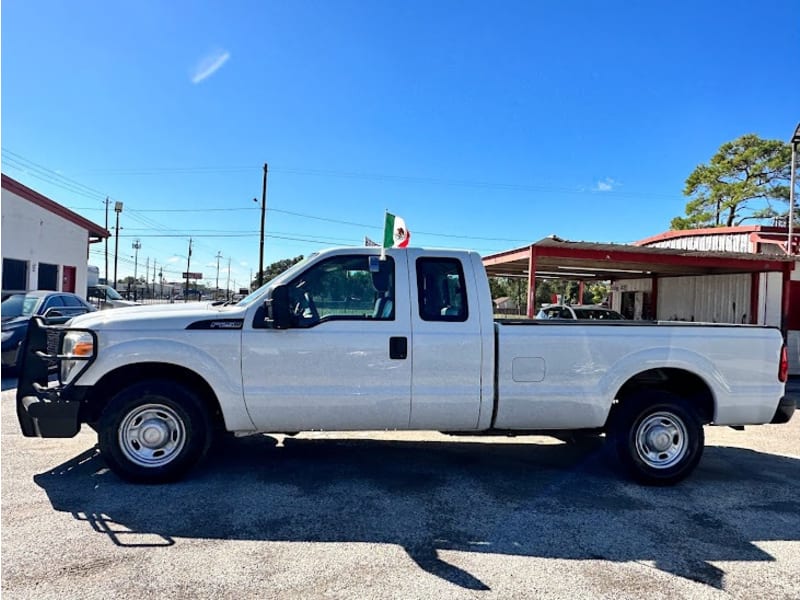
[
  {"x": 579, "y": 311},
  {"x": 104, "y": 296}
]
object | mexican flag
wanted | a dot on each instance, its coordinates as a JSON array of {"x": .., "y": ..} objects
[{"x": 395, "y": 232}]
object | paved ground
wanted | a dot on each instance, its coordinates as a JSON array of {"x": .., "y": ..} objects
[{"x": 401, "y": 516}]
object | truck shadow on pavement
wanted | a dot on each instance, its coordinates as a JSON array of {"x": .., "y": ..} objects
[{"x": 519, "y": 499}]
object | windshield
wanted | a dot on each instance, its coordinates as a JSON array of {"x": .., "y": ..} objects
[
  {"x": 19, "y": 305},
  {"x": 286, "y": 274},
  {"x": 112, "y": 294}
]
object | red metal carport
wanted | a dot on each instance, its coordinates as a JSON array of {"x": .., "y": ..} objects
[{"x": 586, "y": 261}]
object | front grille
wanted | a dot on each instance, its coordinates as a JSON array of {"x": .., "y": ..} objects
[{"x": 53, "y": 346}]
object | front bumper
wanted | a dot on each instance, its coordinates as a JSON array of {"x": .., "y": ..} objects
[
  {"x": 42, "y": 410},
  {"x": 40, "y": 416},
  {"x": 785, "y": 410}
]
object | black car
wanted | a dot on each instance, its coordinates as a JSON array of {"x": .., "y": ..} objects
[{"x": 17, "y": 310}]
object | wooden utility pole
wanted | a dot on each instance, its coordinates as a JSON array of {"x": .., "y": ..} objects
[
  {"x": 117, "y": 209},
  {"x": 263, "y": 213},
  {"x": 228, "y": 284},
  {"x": 188, "y": 267},
  {"x": 105, "y": 273},
  {"x": 216, "y": 290}
]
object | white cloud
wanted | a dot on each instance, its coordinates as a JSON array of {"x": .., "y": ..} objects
[
  {"x": 210, "y": 64},
  {"x": 173, "y": 259},
  {"x": 606, "y": 185}
]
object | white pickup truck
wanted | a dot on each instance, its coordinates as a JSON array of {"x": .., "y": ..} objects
[{"x": 346, "y": 341}]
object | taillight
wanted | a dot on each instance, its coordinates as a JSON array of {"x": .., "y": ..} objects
[{"x": 783, "y": 369}]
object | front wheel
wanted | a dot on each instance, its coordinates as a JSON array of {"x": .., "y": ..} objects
[
  {"x": 153, "y": 431},
  {"x": 659, "y": 437}
]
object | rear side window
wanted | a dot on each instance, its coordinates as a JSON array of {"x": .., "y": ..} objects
[
  {"x": 52, "y": 302},
  {"x": 441, "y": 289},
  {"x": 72, "y": 301}
]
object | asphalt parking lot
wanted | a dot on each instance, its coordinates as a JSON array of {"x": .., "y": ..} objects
[{"x": 378, "y": 515}]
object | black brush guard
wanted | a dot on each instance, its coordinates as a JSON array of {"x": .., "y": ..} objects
[{"x": 45, "y": 411}]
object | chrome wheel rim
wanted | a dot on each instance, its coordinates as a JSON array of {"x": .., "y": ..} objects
[
  {"x": 661, "y": 440},
  {"x": 152, "y": 435}
]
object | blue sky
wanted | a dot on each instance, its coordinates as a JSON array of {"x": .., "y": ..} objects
[{"x": 484, "y": 125}]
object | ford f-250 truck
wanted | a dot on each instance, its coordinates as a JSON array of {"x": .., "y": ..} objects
[{"x": 345, "y": 340}]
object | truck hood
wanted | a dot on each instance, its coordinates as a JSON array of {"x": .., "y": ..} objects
[{"x": 160, "y": 317}]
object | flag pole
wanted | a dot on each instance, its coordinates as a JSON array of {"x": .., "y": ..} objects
[{"x": 383, "y": 241}]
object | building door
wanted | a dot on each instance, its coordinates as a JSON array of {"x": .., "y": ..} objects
[
  {"x": 628, "y": 308},
  {"x": 48, "y": 277},
  {"x": 68, "y": 280}
]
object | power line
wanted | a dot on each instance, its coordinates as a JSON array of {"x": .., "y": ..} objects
[
  {"x": 24, "y": 163},
  {"x": 348, "y": 223},
  {"x": 177, "y": 210},
  {"x": 42, "y": 177},
  {"x": 138, "y": 215},
  {"x": 384, "y": 177}
]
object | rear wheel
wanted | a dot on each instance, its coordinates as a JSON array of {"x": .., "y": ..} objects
[
  {"x": 154, "y": 431},
  {"x": 659, "y": 437}
]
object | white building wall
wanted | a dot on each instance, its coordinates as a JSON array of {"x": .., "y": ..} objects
[
  {"x": 632, "y": 285},
  {"x": 770, "y": 290},
  {"x": 33, "y": 234},
  {"x": 709, "y": 298},
  {"x": 629, "y": 285}
]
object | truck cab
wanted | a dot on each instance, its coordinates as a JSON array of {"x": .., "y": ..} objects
[{"x": 410, "y": 325}]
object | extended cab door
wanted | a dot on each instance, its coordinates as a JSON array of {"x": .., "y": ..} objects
[
  {"x": 344, "y": 364},
  {"x": 452, "y": 349}
]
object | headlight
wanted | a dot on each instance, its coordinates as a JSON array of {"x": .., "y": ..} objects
[{"x": 78, "y": 344}]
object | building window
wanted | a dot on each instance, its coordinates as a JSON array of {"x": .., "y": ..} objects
[
  {"x": 48, "y": 277},
  {"x": 15, "y": 275}
]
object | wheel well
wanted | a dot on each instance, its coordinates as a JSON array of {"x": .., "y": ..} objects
[
  {"x": 112, "y": 382},
  {"x": 676, "y": 381}
]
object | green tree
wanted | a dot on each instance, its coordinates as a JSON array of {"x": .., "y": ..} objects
[
  {"x": 498, "y": 287},
  {"x": 515, "y": 288},
  {"x": 744, "y": 180},
  {"x": 595, "y": 293},
  {"x": 276, "y": 269}
]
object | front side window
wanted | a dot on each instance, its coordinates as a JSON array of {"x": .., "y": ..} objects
[
  {"x": 441, "y": 290},
  {"x": 355, "y": 287}
]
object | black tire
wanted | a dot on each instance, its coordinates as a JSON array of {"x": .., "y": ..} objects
[
  {"x": 658, "y": 437},
  {"x": 154, "y": 431}
]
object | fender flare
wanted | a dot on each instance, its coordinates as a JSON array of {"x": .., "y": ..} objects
[{"x": 664, "y": 357}]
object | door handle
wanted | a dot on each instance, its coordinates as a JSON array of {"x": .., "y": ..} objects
[{"x": 398, "y": 347}]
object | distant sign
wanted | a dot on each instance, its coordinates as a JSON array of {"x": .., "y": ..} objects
[
  {"x": 244, "y": 291},
  {"x": 186, "y": 275}
]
